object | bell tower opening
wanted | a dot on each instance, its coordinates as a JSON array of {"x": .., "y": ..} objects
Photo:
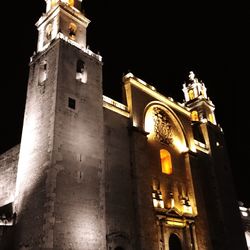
[{"x": 63, "y": 19}]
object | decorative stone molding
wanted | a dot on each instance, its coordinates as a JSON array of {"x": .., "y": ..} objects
[{"x": 162, "y": 127}]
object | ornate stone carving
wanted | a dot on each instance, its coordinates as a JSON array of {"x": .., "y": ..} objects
[{"x": 162, "y": 127}]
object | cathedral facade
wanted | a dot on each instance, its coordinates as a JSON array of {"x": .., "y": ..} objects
[{"x": 91, "y": 173}]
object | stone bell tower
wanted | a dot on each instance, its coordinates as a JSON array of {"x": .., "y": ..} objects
[
  {"x": 201, "y": 107},
  {"x": 60, "y": 181},
  {"x": 213, "y": 177}
]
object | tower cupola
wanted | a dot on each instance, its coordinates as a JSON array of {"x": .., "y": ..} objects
[
  {"x": 72, "y": 3},
  {"x": 194, "y": 88},
  {"x": 196, "y": 99}
]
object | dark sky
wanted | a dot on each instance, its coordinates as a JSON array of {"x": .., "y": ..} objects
[{"x": 159, "y": 42}]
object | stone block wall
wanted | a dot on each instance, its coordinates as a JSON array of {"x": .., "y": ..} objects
[{"x": 8, "y": 171}]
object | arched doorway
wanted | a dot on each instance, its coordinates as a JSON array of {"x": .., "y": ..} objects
[
  {"x": 174, "y": 242},
  {"x": 119, "y": 248}
]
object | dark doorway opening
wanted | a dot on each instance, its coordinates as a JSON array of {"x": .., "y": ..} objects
[
  {"x": 119, "y": 248},
  {"x": 174, "y": 242}
]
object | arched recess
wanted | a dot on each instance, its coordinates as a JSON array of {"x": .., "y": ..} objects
[
  {"x": 163, "y": 125},
  {"x": 174, "y": 242}
]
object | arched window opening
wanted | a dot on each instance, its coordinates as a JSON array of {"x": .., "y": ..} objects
[
  {"x": 80, "y": 66},
  {"x": 166, "y": 163},
  {"x": 194, "y": 115},
  {"x": 42, "y": 72},
  {"x": 72, "y": 31},
  {"x": 174, "y": 242},
  {"x": 81, "y": 72},
  {"x": 191, "y": 94}
]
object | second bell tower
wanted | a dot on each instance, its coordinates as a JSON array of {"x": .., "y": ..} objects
[{"x": 196, "y": 99}]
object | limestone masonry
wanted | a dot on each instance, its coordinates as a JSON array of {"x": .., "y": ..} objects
[{"x": 91, "y": 173}]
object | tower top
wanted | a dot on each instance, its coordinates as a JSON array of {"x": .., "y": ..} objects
[
  {"x": 63, "y": 19},
  {"x": 71, "y": 3},
  {"x": 191, "y": 76},
  {"x": 197, "y": 100},
  {"x": 194, "y": 88}
]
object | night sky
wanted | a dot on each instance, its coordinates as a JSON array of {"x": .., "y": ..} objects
[{"x": 159, "y": 42}]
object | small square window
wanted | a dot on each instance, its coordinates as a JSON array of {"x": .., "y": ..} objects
[{"x": 72, "y": 103}]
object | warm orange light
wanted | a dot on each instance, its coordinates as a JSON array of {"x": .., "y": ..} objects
[
  {"x": 211, "y": 118},
  {"x": 191, "y": 94},
  {"x": 72, "y": 30},
  {"x": 71, "y": 3},
  {"x": 194, "y": 116},
  {"x": 53, "y": 2},
  {"x": 176, "y": 223},
  {"x": 166, "y": 163}
]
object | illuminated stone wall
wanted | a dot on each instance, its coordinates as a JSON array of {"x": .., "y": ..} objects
[
  {"x": 33, "y": 182},
  {"x": 65, "y": 20},
  {"x": 87, "y": 176},
  {"x": 61, "y": 197},
  {"x": 199, "y": 171},
  {"x": 90, "y": 173},
  {"x": 245, "y": 217},
  {"x": 78, "y": 156},
  {"x": 120, "y": 213},
  {"x": 8, "y": 171},
  {"x": 146, "y": 168}
]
